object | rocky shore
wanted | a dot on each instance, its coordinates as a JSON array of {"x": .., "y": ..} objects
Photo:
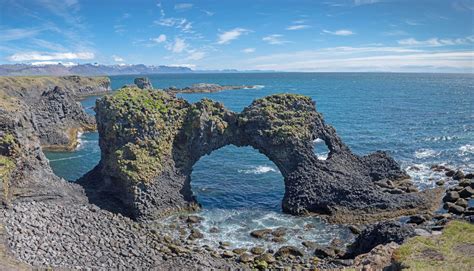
[
  {"x": 145, "y": 83},
  {"x": 56, "y": 115},
  {"x": 149, "y": 142}
]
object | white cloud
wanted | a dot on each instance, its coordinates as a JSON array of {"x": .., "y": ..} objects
[
  {"x": 365, "y": 2},
  {"x": 274, "y": 39},
  {"x": 183, "y": 6},
  {"x": 297, "y": 27},
  {"x": 208, "y": 13},
  {"x": 395, "y": 33},
  {"x": 230, "y": 35},
  {"x": 117, "y": 58},
  {"x": 178, "y": 46},
  {"x": 179, "y": 23},
  {"x": 191, "y": 66},
  {"x": 17, "y": 33},
  {"x": 161, "y": 38},
  {"x": 196, "y": 55},
  {"x": 248, "y": 50},
  {"x": 341, "y": 32},
  {"x": 38, "y": 56},
  {"x": 436, "y": 42},
  {"x": 366, "y": 59},
  {"x": 44, "y": 63}
]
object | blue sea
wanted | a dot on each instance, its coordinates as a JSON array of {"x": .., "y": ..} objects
[{"x": 420, "y": 119}]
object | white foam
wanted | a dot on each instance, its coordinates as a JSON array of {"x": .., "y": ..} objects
[
  {"x": 440, "y": 138},
  {"x": 258, "y": 170},
  {"x": 79, "y": 140},
  {"x": 466, "y": 149},
  {"x": 258, "y": 86},
  {"x": 425, "y": 153},
  {"x": 318, "y": 140}
]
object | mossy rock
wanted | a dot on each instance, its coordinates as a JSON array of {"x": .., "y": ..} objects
[{"x": 452, "y": 250}]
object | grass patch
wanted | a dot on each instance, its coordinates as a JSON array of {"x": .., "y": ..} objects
[{"x": 452, "y": 250}]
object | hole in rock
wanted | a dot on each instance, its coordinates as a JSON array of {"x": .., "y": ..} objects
[
  {"x": 235, "y": 178},
  {"x": 320, "y": 149},
  {"x": 240, "y": 191}
]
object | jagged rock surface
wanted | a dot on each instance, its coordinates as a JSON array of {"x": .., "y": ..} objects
[
  {"x": 204, "y": 88},
  {"x": 143, "y": 83},
  {"x": 25, "y": 173},
  {"x": 150, "y": 140},
  {"x": 56, "y": 116}
]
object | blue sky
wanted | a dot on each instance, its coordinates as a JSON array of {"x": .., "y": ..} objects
[{"x": 328, "y": 35}]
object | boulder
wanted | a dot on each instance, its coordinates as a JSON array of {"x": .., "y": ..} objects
[
  {"x": 285, "y": 251},
  {"x": 458, "y": 175},
  {"x": 451, "y": 196},
  {"x": 380, "y": 234},
  {"x": 467, "y": 192},
  {"x": 143, "y": 83}
]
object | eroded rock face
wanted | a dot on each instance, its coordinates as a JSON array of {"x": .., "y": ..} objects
[
  {"x": 150, "y": 140},
  {"x": 25, "y": 174},
  {"x": 143, "y": 83},
  {"x": 56, "y": 115}
]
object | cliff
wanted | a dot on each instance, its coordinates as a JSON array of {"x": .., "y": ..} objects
[
  {"x": 150, "y": 141},
  {"x": 56, "y": 115}
]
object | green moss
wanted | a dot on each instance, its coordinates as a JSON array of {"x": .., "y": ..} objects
[
  {"x": 286, "y": 115},
  {"x": 8, "y": 145},
  {"x": 146, "y": 123},
  {"x": 452, "y": 250},
  {"x": 7, "y": 165}
]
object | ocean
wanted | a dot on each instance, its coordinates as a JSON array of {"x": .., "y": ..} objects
[{"x": 420, "y": 119}]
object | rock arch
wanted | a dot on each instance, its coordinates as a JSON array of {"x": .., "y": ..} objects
[{"x": 150, "y": 141}]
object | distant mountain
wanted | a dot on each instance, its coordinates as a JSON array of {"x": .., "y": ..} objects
[{"x": 86, "y": 69}]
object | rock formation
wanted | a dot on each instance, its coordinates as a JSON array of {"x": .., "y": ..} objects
[
  {"x": 204, "y": 88},
  {"x": 143, "y": 83},
  {"x": 56, "y": 116},
  {"x": 25, "y": 174},
  {"x": 150, "y": 141}
]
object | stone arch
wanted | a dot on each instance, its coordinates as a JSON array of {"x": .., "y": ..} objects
[{"x": 150, "y": 141}]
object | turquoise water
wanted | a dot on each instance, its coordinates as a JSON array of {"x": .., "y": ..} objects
[{"x": 420, "y": 119}]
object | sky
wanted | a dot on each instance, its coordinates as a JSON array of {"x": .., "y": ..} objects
[{"x": 292, "y": 35}]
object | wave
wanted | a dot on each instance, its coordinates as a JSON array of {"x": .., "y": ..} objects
[
  {"x": 67, "y": 158},
  {"x": 255, "y": 87},
  {"x": 440, "y": 138},
  {"x": 258, "y": 170},
  {"x": 79, "y": 140},
  {"x": 318, "y": 140},
  {"x": 466, "y": 149},
  {"x": 425, "y": 153}
]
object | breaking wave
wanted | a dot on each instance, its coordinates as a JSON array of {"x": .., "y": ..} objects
[{"x": 258, "y": 170}]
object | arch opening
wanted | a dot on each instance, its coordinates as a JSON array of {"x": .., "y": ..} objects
[
  {"x": 321, "y": 149},
  {"x": 234, "y": 177}
]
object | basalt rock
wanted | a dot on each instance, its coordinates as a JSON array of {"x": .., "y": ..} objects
[
  {"x": 150, "y": 141},
  {"x": 205, "y": 88},
  {"x": 25, "y": 174},
  {"x": 56, "y": 115},
  {"x": 380, "y": 234},
  {"x": 143, "y": 83}
]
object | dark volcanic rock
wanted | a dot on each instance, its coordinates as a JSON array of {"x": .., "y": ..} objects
[
  {"x": 56, "y": 115},
  {"x": 143, "y": 83},
  {"x": 150, "y": 141},
  {"x": 380, "y": 233},
  {"x": 25, "y": 174},
  {"x": 204, "y": 88}
]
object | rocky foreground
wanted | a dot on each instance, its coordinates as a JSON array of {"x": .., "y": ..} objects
[{"x": 149, "y": 141}]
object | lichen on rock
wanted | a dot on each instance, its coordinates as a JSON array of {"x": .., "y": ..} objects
[{"x": 150, "y": 141}]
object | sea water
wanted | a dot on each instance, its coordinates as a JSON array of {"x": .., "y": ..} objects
[{"x": 420, "y": 119}]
